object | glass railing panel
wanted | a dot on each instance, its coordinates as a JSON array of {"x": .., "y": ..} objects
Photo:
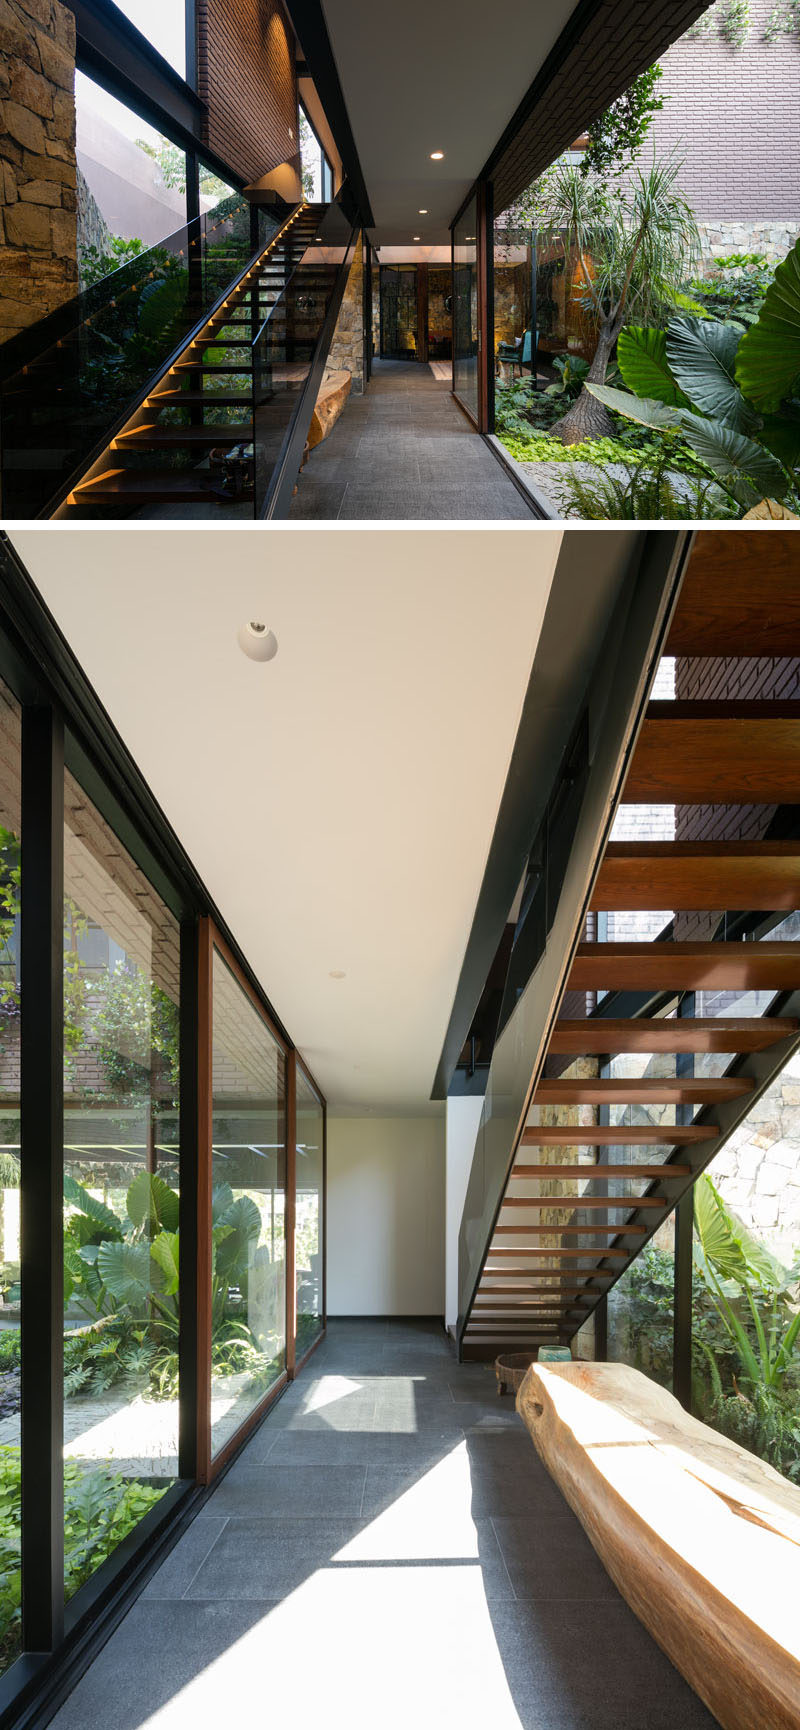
[
  {"x": 65, "y": 383},
  {"x": 284, "y": 347}
]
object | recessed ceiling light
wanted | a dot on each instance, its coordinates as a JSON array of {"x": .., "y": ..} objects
[
  {"x": 336, "y": 973},
  {"x": 437, "y": 155},
  {"x": 256, "y": 641},
  {"x": 422, "y": 213},
  {"x": 415, "y": 237}
]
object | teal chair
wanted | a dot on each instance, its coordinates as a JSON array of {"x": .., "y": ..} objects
[{"x": 517, "y": 354}]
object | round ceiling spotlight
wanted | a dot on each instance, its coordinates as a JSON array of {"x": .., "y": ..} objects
[
  {"x": 257, "y": 642},
  {"x": 437, "y": 156},
  {"x": 422, "y": 212}
]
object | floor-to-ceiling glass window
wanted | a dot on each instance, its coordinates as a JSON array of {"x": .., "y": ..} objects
[
  {"x": 121, "y": 1170},
  {"x": 465, "y": 308},
  {"x": 163, "y": 23},
  {"x": 10, "y": 884},
  {"x": 309, "y": 1191},
  {"x": 248, "y": 1209},
  {"x": 131, "y": 182}
]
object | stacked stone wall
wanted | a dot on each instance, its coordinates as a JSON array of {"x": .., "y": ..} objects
[
  {"x": 38, "y": 195},
  {"x": 347, "y": 347}
]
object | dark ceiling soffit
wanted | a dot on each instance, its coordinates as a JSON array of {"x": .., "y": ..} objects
[
  {"x": 111, "y": 49},
  {"x": 604, "y": 47},
  {"x": 312, "y": 33},
  {"x": 36, "y": 637},
  {"x": 562, "y": 662}
]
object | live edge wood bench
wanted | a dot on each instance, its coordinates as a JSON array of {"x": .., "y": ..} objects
[
  {"x": 333, "y": 394},
  {"x": 701, "y": 1538}
]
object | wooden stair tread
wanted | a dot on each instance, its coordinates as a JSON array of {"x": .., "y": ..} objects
[
  {"x": 195, "y": 398},
  {"x": 685, "y": 966},
  {"x": 151, "y": 486},
  {"x": 723, "y": 754},
  {"x": 695, "y": 876},
  {"x": 164, "y": 438},
  {"x": 601, "y": 1034},
  {"x": 738, "y": 599},
  {"x": 571, "y": 1230}
]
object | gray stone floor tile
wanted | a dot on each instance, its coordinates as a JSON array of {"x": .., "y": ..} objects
[
  {"x": 176, "y": 1574},
  {"x": 306, "y": 1491}
]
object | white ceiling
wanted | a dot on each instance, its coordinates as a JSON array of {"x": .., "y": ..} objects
[
  {"x": 338, "y": 801},
  {"x": 446, "y": 75}
]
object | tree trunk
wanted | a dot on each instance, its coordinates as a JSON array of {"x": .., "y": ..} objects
[{"x": 588, "y": 419}]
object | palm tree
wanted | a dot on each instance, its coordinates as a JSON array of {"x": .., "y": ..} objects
[{"x": 633, "y": 245}]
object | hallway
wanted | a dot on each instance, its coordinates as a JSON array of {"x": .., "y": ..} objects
[
  {"x": 387, "y": 1550},
  {"x": 405, "y": 450}
]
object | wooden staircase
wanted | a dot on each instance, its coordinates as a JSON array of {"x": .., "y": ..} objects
[
  {"x": 190, "y": 442},
  {"x": 619, "y": 1126}
]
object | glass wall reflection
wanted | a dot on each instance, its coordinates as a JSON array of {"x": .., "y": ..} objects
[
  {"x": 308, "y": 1214},
  {"x": 121, "y": 1236},
  {"x": 10, "y": 1336},
  {"x": 248, "y": 1216},
  {"x": 465, "y": 308}
]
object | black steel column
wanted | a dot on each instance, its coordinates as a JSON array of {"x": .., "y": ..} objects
[
  {"x": 41, "y": 1177},
  {"x": 189, "y": 1142},
  {"x": 684, "y": 1233}
]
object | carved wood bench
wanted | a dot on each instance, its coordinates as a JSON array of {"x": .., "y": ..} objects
[{"x": 701, "y": 1538}]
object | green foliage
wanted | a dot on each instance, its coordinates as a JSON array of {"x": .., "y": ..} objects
[
  {"x": 95, "y": 264},
  {"x": 100, "y": 1509},
  {"x": 10, "y": 1349},
  {"x": 744, "y": 419},
  {"x": 783, "y": 20},
  {"x": 757, "y": 1302},
  {"x": 643, "y": 492},
  {"x": 619, "y": 134},
  {"x": 768, "y": 359},
  {"x": 10, "y": 886},
  {"x": 730, "y": 18},
  {"x": 171, "y": 161},
  {"x": 642, "y": 359},
  {"x": 734, "y": 288}
]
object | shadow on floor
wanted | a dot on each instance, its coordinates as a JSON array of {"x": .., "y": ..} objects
[
  {"x": 405, "y": 451},
  {"x": 387, "y": 1550}
]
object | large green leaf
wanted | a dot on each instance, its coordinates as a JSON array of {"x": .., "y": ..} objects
[
  {"x": 781, "y": 435},
  {"x": 702, "y": 356},
  {"x": 768, "y": 361},
  {"x": 125, "y": 1271},
  {"x": 221, "y": 1200},
  {"x": 152, "y": 1204},
  {"x": 749, "y": 469},
  {"x": 644, "y": 410},
  {"x": 94, "y": 1210},
  {"x": 642, "y": 360},
  {"x": 164, "y": 1251},
  {"x": 729, "y": 1246},
  {"x": 244, "y": 1216}
]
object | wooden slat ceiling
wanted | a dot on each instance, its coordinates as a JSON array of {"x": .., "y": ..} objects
[{"x": 547, "y": 1261}]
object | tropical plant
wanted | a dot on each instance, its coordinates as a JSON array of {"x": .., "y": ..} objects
[
  {"x": 734, "y": 287},
  {"x": 127, "y": 1270},
  {"x": 618, "y": 135},
  {"x": 96, "y": 262},
  {"x": 732, "y": 392},
  {"x": 757, "y": 1301},
  {"x": 632, "y": 246}
]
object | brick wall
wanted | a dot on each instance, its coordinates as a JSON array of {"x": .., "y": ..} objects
[
  {"x": 712, "y": 679},
  {"x": 734, "y": 115},
  {"x": 38, "y": 268},
  {"x": 246, "y": 75}
]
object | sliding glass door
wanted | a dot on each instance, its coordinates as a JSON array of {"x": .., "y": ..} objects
[
  {"x": 465, "y": 308},
  {"x": 309, "y": 1248}
]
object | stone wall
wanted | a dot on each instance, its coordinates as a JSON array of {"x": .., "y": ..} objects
[
  {"x": 758, "y": 1171},
  {"x": 38, "y": 268},
  {"x": 347, "y": 347},
  {"x": 773, "y": 239}
]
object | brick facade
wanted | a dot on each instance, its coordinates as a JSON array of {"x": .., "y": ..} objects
[
  {"x": 733, "y": 114},
  {"x": 246, "y": 75},
  {"x": 38, "y": 268}
]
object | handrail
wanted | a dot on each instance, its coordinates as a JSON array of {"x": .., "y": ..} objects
[
  {"x": 135, "y": 402},
  {"x": 28, "y": 345},
  {"x": 287, "y": 464}
]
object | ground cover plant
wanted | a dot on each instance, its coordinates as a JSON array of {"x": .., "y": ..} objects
[{"x": 100, "y": 1508}]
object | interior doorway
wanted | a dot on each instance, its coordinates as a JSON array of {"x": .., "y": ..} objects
[{"x": 414, "y": 306}]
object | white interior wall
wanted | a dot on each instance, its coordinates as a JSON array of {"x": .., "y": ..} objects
[
  {"x": 386, "y": 1191},
  {"x": 463, "y": 1117}
]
